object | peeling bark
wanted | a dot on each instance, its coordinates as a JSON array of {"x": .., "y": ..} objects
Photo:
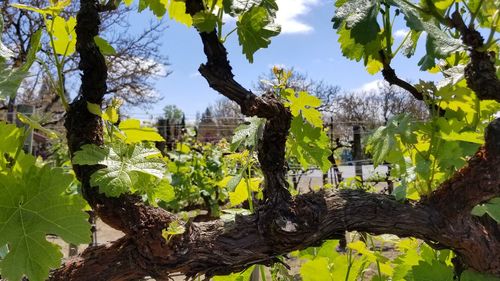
[{"x": 282, "y": 223}]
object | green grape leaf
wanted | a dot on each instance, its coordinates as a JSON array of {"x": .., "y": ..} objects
[
  {"x": 155, "y": 189},
  {"x": 134, "y": 133},
  {"x": 125, "y": 166},
  {"x": 64, "y": 35},
  {"x": 163, "y": 192},
  {"x": 248, "y": 134},
  {"x": 229, "y": 182},
  {"x": 240, "y": 193},
  {"x": 436, "y": 271},
  {"x": 37, "y": 205},
  {"x": 352, "y": 12},
  {"x": 316, "y": 270},
  {"x": 110, "y": 114},
  {"x": 36, "y": 125},
  {"x": 238, "y": 7},
  {"x": 177, "y": 11},
  {"x": 470, "y": 275},
  {"x": 384, "y": 144},
  {"x": 255, "y": 28},
  {"x": 54, "y": 9},
  {"x": 350, "y": 49},
  {"x": 439, "y": 44},
  {"x": 492, "y": 208},
  {"x": 5, "y": 53},
  {"x": 158, "y": 7},
  {"x": 486, "y": 13},
  {"x": 409, "y": 258},
  {"x": 11, "y": 78},
  {"x": 205, "y": 21},
  {"x": 174, "y": 228},
  {"x": 104, "y": 46},
  {"x": 309, "y": 144},
  {"x": 410, "y": 45},
  {"x": 12, "y": 138},
  {"x": 354, "y": 50},
  {"x": 305, "y": 104}
]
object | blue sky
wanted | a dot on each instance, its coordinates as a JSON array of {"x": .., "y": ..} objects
[{"x": 308, "y": 43}]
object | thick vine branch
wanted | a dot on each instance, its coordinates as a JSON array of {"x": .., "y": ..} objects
[
  {"x": 219, "y": 247},
  {"x": 282, "y": 224}
]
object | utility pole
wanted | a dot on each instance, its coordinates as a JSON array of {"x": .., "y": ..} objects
[{"x": 357, "y": 153}]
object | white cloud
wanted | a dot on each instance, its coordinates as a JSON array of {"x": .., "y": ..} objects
[
  {"x": 373, "y": 86},
  {"x": 289, "y": 13},
  {"x": 195, "y": 74},
  {"x": 278, "y": 65},
  {"x": 401, "y": 33}
]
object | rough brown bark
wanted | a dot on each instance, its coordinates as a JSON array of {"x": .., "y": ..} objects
[
  {"x": 281, "y": 223},
  {"x": 480, "y": 73}
]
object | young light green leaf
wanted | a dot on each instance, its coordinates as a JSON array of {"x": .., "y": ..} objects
[
  {"x": 125, "y": 165},
  {"x": 174, "y": 228},
  {"x": 135, "y": 133},
  {"x": 64, "y": 34},
  {"x": 36, "y": 125},
  {"x": 240, "y": 193},
  {"x": 305, "y": 104},
  {"x": 54, "y": 9},
  {"x": 316, "y": 270},
  {"x": 104, "y": 46},
  {"x": 255, "y": 28},
  {"x": 177, "y": 11},
  {"x": 37, "y": 205},
  {"x": 309, "y": 144},
  {"x": 94, "y": 109}
]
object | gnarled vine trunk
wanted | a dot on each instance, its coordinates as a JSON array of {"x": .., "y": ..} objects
[{"x": 282, "y": 223}]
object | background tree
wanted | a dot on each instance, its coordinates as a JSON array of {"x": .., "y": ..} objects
[
  {"x": 173, "y": 113},
  {"x": 134, "y": 64}
]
